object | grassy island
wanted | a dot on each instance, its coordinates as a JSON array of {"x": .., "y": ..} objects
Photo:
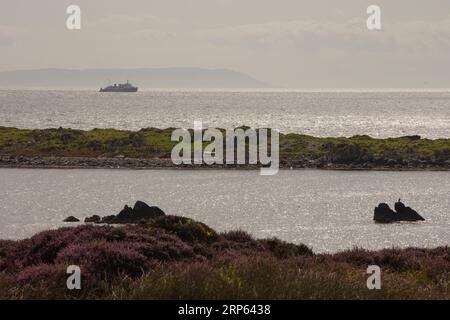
[{"x": 25, "y": 147}]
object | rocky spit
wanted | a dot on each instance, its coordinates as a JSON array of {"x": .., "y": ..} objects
[
  {"x": 8, "y": 161},
  {"x": 141, "y": 212}
]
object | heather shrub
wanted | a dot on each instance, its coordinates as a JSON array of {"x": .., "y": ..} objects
[
  {"x": 6, "y": 286},
  {"x": 237, "y": 236},
  {"x": 398, "y": 259},
  {"x": 45, "y": 246},
  {"x": 185, "y": 228},
  {"x": 167, "y": 249},
  {"x": 238, "y": 241},
  {"x": 282, "y": 249},
  {"x": 278, "y": 248},
  {"x": 42, "y": 281},
  {"x": 6, "y": 247},
  {"x": 227, "y": 247},
  {"x": 203, "y": 251},
  {"x": 435, "y": 267},
  {"x": 41, "y": 274},
  {"x": 116, "y": 234},
  {"x": 358, "y": 257},
  {"x": 393, "y": 259},
  {"x": 443, "y": 252},
  {"x": 410, "y": 259},
  {"x": 105, "y": 259},
  {"x": 133, "y": 233},
  {"x": 159, "y": 244}
]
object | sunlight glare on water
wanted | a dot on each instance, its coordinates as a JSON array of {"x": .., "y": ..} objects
[{"x": 327, "y": 210}]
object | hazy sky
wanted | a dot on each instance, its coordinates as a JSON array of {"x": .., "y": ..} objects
[{"x": 292, "y": 43}]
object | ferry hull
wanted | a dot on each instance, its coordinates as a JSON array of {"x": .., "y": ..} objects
[{"x": 119, "y": 90}]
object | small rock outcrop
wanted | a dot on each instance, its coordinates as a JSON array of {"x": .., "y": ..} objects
[
  {"x": 412, "y": 138},
  {"x": 140, "y": 212},
  {"x": 94, "y": 219},
  {"x": 384, "y": 214},
  {"x": 71, "y": 219}
]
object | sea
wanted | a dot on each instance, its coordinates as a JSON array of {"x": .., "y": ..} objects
[{"x": 327, "y": 210}]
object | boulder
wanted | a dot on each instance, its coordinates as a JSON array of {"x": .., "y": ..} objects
[
  {"x": 95, "y": 219},
  {"x": 108, "y": 219},
  {"x": 412, "y": 138},
  {"x": 126, "y": 213},
  {"x": 71, "y": 219},
  {"x": 384, "y": 214},
  {"x": 399, "y": 206},
  {"x": 143, "y": 210},
  {"x": 406, "y": 213}
]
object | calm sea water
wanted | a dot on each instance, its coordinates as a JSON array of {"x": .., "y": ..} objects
[
  {"x": 327, "y": 210},
  {"x": 379, "y": 114}
]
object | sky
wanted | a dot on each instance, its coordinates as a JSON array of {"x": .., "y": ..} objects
[{"x": 285, "y": 43}]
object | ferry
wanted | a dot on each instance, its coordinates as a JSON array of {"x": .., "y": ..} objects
[{"x": 121, "y": 87}]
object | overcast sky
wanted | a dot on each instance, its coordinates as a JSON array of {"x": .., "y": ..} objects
[{"x": 290, "y": 43}]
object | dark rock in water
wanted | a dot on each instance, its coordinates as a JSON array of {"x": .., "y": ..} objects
[
  {"x": 406, "y": 213},
  {"x": 95, "y": 219},
  {"x": 126, "y": 213},
  {"x": 399, "y": 206},
  {"x": 143, "y": 210},
  {"x": 140, "y": 212},
  {"x": 384, "y": 214},
  {"x": 71, "y": 219}
]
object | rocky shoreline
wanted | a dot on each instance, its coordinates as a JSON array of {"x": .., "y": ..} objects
[{"x": 11, "y": 161}]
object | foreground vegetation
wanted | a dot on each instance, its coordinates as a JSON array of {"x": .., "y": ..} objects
[
  {"x": 178, "y": 258},
  {"x": 296, "y": 150}
]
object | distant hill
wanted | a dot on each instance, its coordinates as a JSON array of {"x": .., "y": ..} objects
[{"x": 143, "y": 78}]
